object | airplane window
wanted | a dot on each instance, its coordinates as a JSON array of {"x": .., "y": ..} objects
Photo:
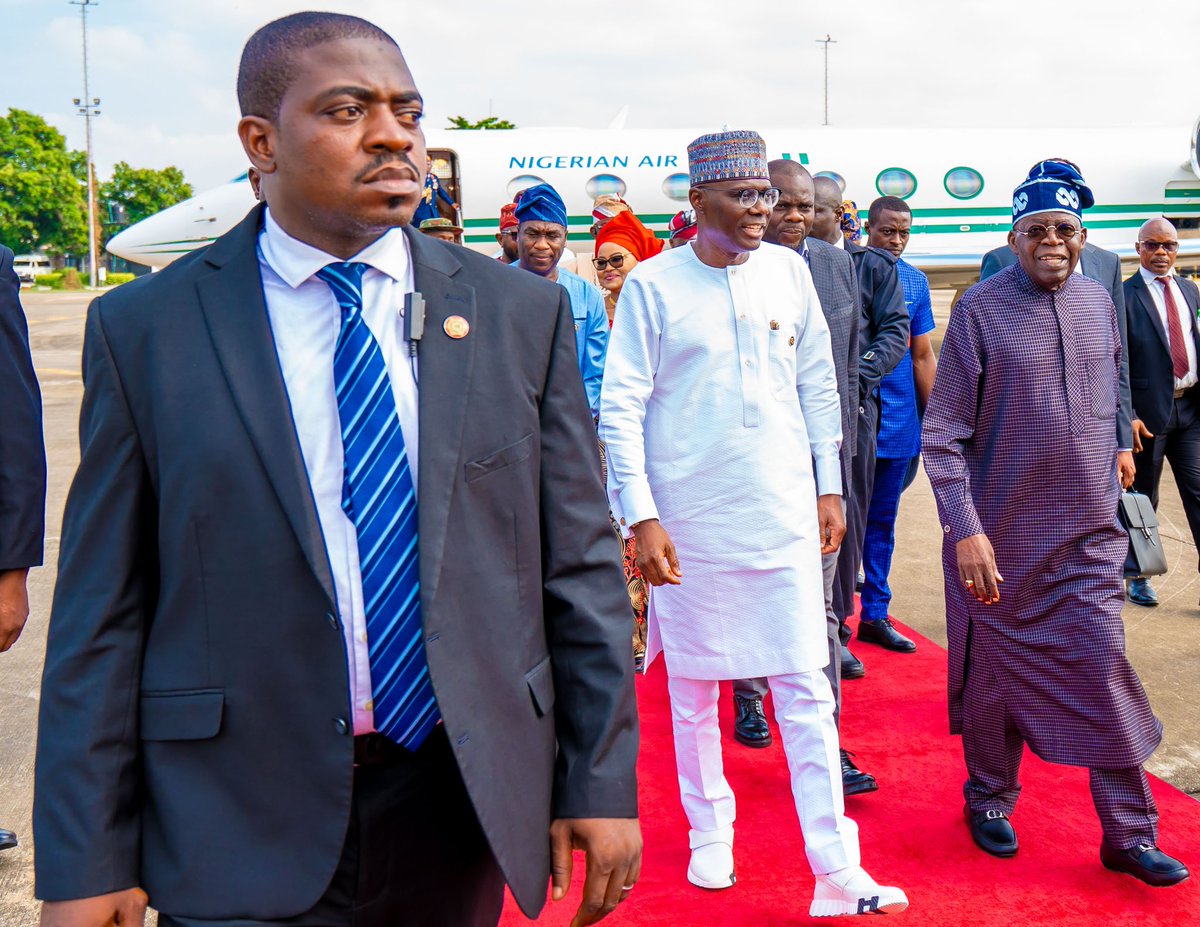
[
  {"x": 676, "y": 187},
  {"x": 605, "y": 183},
  {"x": 523, "y": 182},
  {"x": 896, "y": 181},
  {"x": 963, "y": 183},
  {"x": 835, "y": 177}
]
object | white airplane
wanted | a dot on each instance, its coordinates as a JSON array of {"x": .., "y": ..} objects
[{"x": 957, "y": 181}]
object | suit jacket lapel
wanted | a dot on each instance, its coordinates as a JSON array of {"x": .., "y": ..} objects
[
  {"x": 444, "y": 369},
  {"x": 1146, "y": 301},
  {"x": 236, "y": 312}
]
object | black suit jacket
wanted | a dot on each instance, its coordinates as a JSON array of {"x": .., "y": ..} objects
[
  {"x": 836, "y": 283},
  {"x": 22, "y": 451},
  {"x": 193, "y": 736},
  {"x": 883, "y": 335},
  {"x": 1105, "y": 268},
  {"x": 1151, "y": 379}
]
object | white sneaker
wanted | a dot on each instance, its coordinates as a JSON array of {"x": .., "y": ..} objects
[
  {"x": 711, "y": 865},
  {"x": 852, "y": 891}
]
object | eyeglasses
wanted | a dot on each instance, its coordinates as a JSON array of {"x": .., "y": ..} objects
[
  {"x": 749, "y": 197},
  {"x": 1064, "y": 230},
  {"x": 1151, "y": 246},
  {"x": 617, "y": 261}
]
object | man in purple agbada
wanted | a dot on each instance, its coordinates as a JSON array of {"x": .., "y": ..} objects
[{"x": 1032, "y": 550}]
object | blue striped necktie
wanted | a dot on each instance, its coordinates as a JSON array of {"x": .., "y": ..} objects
[{"x": 379, "y": 498}]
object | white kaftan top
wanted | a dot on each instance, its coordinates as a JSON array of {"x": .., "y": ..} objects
[{"x": 719, "y": 402}]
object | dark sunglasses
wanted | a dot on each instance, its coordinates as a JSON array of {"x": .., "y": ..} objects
[
  {"x": 1151, "y": 246},
  {"x": 617, "y": 261}
]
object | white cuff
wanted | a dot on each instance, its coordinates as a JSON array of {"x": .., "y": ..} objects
[
  {"x": 633, "y": 504},
  {"x": 829, "y": 476}
]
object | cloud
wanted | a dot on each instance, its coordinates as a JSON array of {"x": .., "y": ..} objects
[{"x": 165, "y": 71}]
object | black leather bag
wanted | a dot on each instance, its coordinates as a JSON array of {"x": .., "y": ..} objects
[{"x": 1146, "y": 554}]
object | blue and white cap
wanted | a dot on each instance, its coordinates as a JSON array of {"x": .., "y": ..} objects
[{"x": 1052, "y": 186}]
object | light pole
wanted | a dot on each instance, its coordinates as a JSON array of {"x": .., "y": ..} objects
[
  {"x": 87, "y": 108},
  {"x": 826, "y": 42}
]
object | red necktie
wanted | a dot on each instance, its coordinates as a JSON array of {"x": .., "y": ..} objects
[{"x": 1179, "y": 358}]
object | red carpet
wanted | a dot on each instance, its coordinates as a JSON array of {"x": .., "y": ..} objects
[{"x": 912, "y": 831}]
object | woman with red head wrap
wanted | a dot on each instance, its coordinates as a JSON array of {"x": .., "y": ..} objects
[{"x": 620, "y": 245}]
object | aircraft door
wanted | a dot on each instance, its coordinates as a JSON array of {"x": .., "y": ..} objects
[{"x": 446, "y": 170}]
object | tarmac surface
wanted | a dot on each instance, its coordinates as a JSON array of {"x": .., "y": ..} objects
[{"x": 1163, "y": 642}]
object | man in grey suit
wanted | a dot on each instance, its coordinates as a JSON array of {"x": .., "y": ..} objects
[
  {"x": 277, "y": 690},
  {"x": 883, "y": 340},
  {"x": 1105, "y": 268},
  {"x": 837, "y": 286},
  {"x": 22, "y": 468}
]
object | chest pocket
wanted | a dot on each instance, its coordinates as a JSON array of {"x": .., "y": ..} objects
[{"x": 781, "y": 344}]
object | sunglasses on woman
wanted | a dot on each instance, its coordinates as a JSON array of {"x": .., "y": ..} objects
[{"x": 617, "y": 261}]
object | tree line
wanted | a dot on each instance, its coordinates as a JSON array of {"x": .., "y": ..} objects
[{"x": 43, "y": 190}]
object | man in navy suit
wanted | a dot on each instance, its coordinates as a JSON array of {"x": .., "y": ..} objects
[
  {"x": 22, "y": 467},
  {"x": 1164, "y": 338},
  {"x": 340, "y": 635}
]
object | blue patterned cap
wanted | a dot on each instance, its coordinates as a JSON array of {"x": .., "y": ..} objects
[
  {"x": 541, "y": 204},
  {"x": 1052, "y": 186},
  {"x": 729, "y": 155}
]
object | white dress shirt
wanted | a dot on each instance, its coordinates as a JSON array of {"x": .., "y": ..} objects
[
  {"x": 1186, "y": 322},
  {"x": 305, "y": 321}
]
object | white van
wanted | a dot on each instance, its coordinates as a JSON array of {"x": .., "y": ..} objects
[{"x": 28, "y": 266}]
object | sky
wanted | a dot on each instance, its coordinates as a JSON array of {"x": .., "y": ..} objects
[{"x": 165, "y": 69}]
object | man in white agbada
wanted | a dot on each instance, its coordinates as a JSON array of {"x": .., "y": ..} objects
[{"x": 719, "y": 403}]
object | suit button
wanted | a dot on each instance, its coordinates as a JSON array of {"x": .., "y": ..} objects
[
  {"x": 341, "y": 725},
  {"x": 332, "y": 619}
]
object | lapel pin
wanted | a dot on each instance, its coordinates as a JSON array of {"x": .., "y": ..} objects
[{"x": 456, "y": 327}]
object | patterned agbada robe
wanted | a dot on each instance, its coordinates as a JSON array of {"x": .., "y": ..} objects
[{"x": 1020, "y": 444}]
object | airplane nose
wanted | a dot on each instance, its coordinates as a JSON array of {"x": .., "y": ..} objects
[{"x": 172, "y": 233}]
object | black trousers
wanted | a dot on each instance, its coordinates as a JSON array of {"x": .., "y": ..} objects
[
  {"x": 862, "y": 477},
  {"x": 1178, "y": 442},
  {"x": 415, "y": 855}
]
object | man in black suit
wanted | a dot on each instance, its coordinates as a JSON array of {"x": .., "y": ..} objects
[
  {"x": 883, "y": 339},
  {"x": 1164, "y": 342},
  {"x": 22, "y": 467},
  {"x": 836, "y": 283},
  {"x": 1105, "y": 268},
  {"x": 276, "y": 689}
]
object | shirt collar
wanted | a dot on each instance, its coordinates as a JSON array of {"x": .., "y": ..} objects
[
  {"x": 1150, "y": 276},
  {"x": 296, "y": 262},
  {"x": 840, "y": 242}
]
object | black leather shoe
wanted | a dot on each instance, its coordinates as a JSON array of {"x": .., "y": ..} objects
[
  {"x": 992, "y": 831},
  {"x": 852, "y": 666},
  {"x": 8, "y": 840},
  {"x": 884, "y": 634},
  {"x": 854, "y": 780},
  {"x": 1140, "y": 592},
  {"x": 1145, "y": 862},
  {"x": 750, "y": 728}
]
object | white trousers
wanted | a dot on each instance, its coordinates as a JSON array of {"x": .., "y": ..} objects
[{"x": 804, "y": 711}]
